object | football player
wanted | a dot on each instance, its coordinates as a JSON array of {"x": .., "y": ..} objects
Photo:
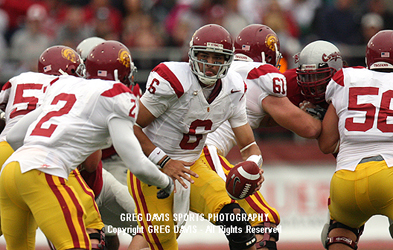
[
  {"x": 23, "y": 94},
  {"x": 318, "y": 62},
  {"x": 112, "y": 196},
  {"x": 358, "y": 120},
  {"x": 61, "y": 133},
  {"x": 182, "y": 104},
  {"x": 257, "y": 57}
]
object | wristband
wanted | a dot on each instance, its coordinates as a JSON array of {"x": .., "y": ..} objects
[
  {"x": 249, "y": 145},
  {"x": 337, "y": 147},
  {"x": 156, "y": 155},
  {"x": 162, "y": 164},
  {"x": 257, "y": 159}
]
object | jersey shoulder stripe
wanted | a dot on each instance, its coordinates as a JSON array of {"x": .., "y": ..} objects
[
  {"x": 339, "y": 77},
  {"x": 169, "y": 76},
  {"x": 6, "y": 86},
  {"x": 261, "y": 71},
  {"x": 117, "y": 89},
  {"x": 53, "y": 81}
]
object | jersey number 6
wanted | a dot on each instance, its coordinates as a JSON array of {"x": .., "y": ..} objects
[{"x": 185, "y": 142}]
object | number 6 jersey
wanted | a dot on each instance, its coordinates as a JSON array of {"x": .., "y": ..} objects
[
  {"x": 363, "y": 102},
  {"x": 184, "y": 116}
]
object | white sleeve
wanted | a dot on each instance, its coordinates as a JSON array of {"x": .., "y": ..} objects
[
  {"x": 17, "y": 133},
  {"x": 118, "y": 193},
  {"x": 130, "y": 151},
  {"x": 239, "y": 117}
]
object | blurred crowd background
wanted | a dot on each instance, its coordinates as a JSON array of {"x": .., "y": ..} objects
[{"x": 160, "y": 30}]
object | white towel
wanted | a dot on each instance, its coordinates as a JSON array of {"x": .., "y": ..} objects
[
  {"x": 216, "y": 162},
  {"x": 181, "y": 202}
]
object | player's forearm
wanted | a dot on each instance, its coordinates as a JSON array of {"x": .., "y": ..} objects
[
  {"x": 144, "y": 141},
  {"x": 130, "y": 151},
  {"x": 328, "y": 140}
]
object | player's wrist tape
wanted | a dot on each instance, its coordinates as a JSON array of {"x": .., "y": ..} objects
[
  {"x": 156, "y": 155},
  {"x": 336, "y": 148},
  {"x": 162, "y": 164},
  {"x": 257, "y": 159},
  {"x": 249, "y": 145}
]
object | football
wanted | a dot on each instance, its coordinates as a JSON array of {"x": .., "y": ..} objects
[{"x": 242, "y": 180}]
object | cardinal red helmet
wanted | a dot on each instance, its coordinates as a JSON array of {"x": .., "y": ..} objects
[
  {"x": 318, "y": 62},
  {"x": 110, "y": 60},
  {"x": 59, "y": 60},
  {"x": 379, "y": 51},
  {"x": 258, "y": 43},
  {"x": 211, "y": 38}
]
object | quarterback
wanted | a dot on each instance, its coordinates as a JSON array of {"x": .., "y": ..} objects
[{"x": 182, "y": 104}]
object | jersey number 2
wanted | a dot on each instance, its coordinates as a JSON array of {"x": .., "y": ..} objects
[{"x": 70, "y": 100}]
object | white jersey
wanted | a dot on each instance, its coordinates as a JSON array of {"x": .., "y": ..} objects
[
  {"x": 183, "y": 115},
  {"x": 363, "y": 102},
  {"x": 262, "y": 80},
  {"x": 73, "y": 124},
  {"x": 21, "y": 95}
]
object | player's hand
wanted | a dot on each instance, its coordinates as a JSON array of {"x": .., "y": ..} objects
[
  {"x": 306, "y": 104},
  {"x": 260, "y": 182},
  {"x": 177, "y": 171},
  {"x": 167, "y": 191},
  {"x": 315, "y": 110}
]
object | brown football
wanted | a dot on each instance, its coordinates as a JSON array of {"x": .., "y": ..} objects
[{"x": 242, "y": 180}]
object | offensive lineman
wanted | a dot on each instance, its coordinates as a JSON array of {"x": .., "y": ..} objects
[
  {"x": 62, "y": 133},
  {"x": 358, "y": 120}
]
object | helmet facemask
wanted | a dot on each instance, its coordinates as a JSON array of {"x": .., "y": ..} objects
[
  {"x": 81, "y": 70},
  {"x": 201, "y": 74},
  {"x": 313, "y": 80},
  {"x": 276, "y": 61},
  {"x": 128, "y": 79},
  {"x": 318, "y": 62}
]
